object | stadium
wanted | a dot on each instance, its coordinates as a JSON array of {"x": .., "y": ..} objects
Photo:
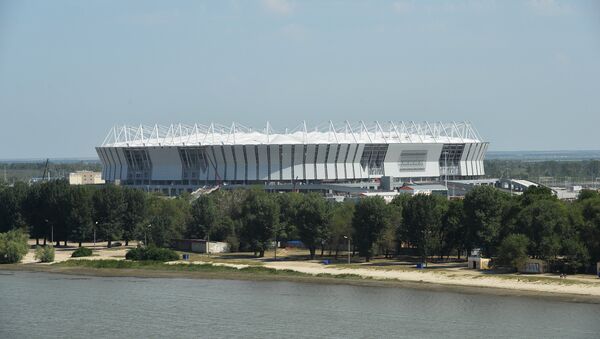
[{"x": 179, "y": 158}]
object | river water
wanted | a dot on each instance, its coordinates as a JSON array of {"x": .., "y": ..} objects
[{"x": 40, "y": 305}]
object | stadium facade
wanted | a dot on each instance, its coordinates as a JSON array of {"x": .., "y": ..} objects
[{"x": 180, "y": 157}]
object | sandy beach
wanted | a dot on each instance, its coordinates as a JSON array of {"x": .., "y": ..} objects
[{"x": 451, "y": 277}]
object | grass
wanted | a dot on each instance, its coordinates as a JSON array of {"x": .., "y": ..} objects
[
  {"x": 183, "y": 267},
  {"x": 217, "y": 259},
  {"x": 206, "y": 268}
]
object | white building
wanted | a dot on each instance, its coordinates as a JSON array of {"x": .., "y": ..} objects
[
  {"x": 179, "y": 158},
  {"x": 85, "y": 178}
]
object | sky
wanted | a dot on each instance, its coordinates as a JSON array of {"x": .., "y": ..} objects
[{"x": 525, "y": 73}]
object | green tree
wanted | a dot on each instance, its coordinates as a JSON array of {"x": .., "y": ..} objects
[
  {"x": 536, "y": 193},
  {"x": 483, "y": 208},
  {"x": 397, "y": 207},
  {"x": 167, "y": 219},
  {"x": 371, "y": 216},
  {"x": 134, "y": 214},
  {"x": 289, "y": 203},
  {"x": 203, "y": 217},
  {"x": 260, "y": 214},
  {"x": 313, "y": 221},
  {"x": 423, "y": 221},
  {"x": 11, "y": 200},
  {"x": 513, "y": 250},
  {"x": 590, "y": 226},
  {"x": 545, "y": 223},
  {"x": 79, "y": 217},
  {"x": 34, "y": 214},
  {"x": 340, "y": 225},
  {"x": 55, "y": 208},
  {"x": 109, "y": 206},
  {"x": 453, "y": 229}
]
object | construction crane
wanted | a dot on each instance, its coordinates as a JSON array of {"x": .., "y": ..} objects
[{"x": 46, "y": 175}]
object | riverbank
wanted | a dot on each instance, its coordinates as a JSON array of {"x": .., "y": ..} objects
[
  {"x": 203, "y": 270},
  {"x": 293, "y": 265}
]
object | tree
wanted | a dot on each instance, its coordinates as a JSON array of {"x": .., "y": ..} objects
[
  {"x": 33, "y": 213},
  {"x": 513, "y": 250},
  {"x": 371, "y": 216},
  {"x": 54, "y": 205},
  {"x": 109, "y": 206},
  {"x": 260, "y": 214},
  {"x": 423, "y": 220},
  {"x": 536, "y": 193},
  {"x": 134, "y": 213},
  {"x": 545, "y": 223},
  {"x": 313, "y": 221},
  {"x": 203, "y": 217},
  {"x": 397, "y": 207},
  {"x": 289, "y": 203},
  {"x": 590, "y": 226},
  {"x": 483, "y": 208},
  {"x": 167, "y": 219},
  {"x": 453, "y": 229},
  {"x": 79, "y": 218},
  {"x": 11, "y": 200},
  {"x": 340, "y": 224}
]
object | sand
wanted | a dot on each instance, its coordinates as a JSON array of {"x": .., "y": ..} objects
[
  {"x": 450, "y": 277},
  {"x": 456, "y": 276}
]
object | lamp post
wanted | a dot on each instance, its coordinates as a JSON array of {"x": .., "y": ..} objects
[
  {"x": 95, "y": 226},
  {"x": 348, "y": 238}
]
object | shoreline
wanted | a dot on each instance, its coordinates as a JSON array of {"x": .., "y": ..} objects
[{"x": 303, "y": 278}]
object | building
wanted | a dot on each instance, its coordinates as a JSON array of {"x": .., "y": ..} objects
[
  {"x": 85, "y": 178},
  {"x": 199, "y": 246},
  {"x": 533, "y": 266},
  {"x": 178, "y": 158},
  {"x": 478, "y": 263}
]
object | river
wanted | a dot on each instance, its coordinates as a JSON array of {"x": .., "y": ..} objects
[{"x": 43, "y": 305}]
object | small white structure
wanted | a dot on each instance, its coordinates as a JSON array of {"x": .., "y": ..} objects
[
  {"x": 533, "y": 266},
  {"x": 478, "y": 263},
  {"x": 200, "y": 246}
]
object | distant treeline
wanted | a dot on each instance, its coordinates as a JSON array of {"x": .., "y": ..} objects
[
  {"x": 581, "y": 170},
  {"x": 24, "y": 171},
  {"x": 577, "y": 170},
  {"x": 507, "y": 228}
]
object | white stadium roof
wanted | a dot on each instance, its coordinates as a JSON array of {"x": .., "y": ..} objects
[{"x": 328, "y": 133}]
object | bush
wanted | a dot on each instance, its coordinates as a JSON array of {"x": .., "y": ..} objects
[
  {"x": 13, "y": 246},
  {"x": 44, "y": 253},
  {"x": 152, "y": 253},
  {"x": 81, "y": 252}
]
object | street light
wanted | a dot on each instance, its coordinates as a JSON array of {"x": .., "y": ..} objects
[
  {"x": 95, "y": 226},
  {"x": 348, "y": 238}
]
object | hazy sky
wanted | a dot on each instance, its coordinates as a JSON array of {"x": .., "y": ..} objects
[{"x": 526, "y": 73}]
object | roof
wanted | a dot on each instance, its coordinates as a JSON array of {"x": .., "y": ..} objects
[{"x": 329, "y": 133}]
